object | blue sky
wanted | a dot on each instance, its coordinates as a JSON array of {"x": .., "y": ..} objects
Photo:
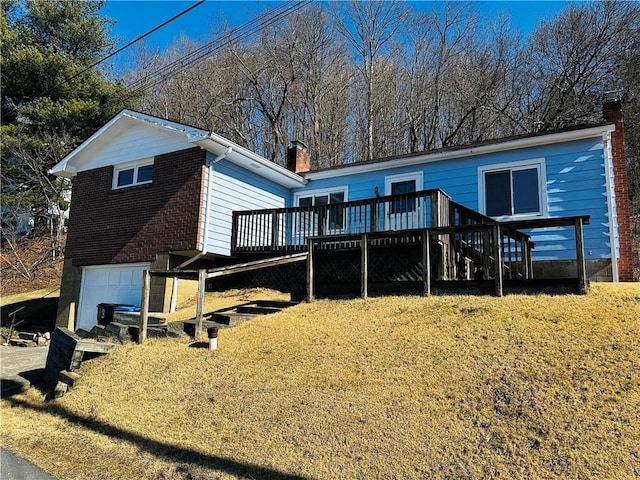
[{"x": 136, "y": 17}]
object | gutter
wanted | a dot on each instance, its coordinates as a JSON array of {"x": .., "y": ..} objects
[
  {"x": 253, "y": 157},
  {"x": 426, "y": 157}
]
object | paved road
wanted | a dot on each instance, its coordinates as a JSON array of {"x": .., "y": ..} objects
[
  {"x": 13, "y": 467},
  {"x": 19, "y": 367}
]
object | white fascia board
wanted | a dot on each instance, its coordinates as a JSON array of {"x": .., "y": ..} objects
[
  {"x": 62, "y": 168},
  {"x": 193, "y": 134},
  {"x": 65, "y": 169},
  {"x": 419, "y": 159},
  {"x": 251, "y": 161}
]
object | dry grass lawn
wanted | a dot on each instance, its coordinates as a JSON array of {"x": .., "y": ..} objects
[{"x": 397, "y": 387}]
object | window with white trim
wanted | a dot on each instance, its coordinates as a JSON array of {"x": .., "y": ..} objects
[
  {"x": 133, "y": 174},
  {"x": 335, "y": 218},
  {"x": 514, "y": 189}
]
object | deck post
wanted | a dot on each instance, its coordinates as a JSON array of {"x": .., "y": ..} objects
[
  {"x": 144, "y": 303},
  {"x": 426, "y": 263},
  {"x": 202, "y": 275},
  {"x": 497, "y": 259},
  {"x": 530, "y": 259},
  {"x": 435, "y": 208},
  {"x": 525, "y": 260},
  {"x": 364, "y": 266},
  {"x": 235, "y": 219},
  {"x": 310, "y": 271},
  {"x": 583, "y": 286}
]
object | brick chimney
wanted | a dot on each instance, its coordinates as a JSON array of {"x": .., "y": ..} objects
[
  {"x": 612, "y": 113},
  {"x": 298, "y": 158}
]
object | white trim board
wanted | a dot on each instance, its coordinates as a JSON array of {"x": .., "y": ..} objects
[{"x": 420, "y": 159}]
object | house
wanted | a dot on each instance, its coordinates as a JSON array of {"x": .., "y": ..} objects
[{"x": 152, "y": 194}]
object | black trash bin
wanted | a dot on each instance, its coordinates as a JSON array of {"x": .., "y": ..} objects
[{"x": 105, "y": 313}]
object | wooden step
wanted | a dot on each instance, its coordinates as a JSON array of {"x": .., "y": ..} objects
[
  {"x": 230, "y": 319},
  {"x": 254, "y": 309},
  {"x": 275, "y": 303},
  {"x": 240, "y": 313}
]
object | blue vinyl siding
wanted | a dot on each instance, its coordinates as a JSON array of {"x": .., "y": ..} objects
[
  {"x": 236, "y": 189},
  {"x": 575, "y": 185}
]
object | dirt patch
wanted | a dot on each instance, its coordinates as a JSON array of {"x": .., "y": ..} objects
[{"x": 28, "y": 264}]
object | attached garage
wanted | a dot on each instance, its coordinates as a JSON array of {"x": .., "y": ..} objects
[{"x": 108, "y": 284}]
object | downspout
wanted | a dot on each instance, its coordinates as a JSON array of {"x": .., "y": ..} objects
[
  {"x": 207, "y": 210},
  {"x": 611, "y": 198},
  {"x": 207, "y": 213}
]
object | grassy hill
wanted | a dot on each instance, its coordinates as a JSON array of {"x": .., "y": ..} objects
[{"x": 396, "y": 387}]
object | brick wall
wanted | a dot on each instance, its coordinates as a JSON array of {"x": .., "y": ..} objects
[
  {"x": 134, "y": 224},
  {"x": 612, "y": 113}
]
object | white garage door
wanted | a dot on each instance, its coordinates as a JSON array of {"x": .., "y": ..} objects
[{"x": 108, "y": 284}]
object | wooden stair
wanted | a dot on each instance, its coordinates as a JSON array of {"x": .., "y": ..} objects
[{"x": 237, "y": 314}]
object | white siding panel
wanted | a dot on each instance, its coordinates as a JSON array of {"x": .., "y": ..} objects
[
  {"x": 138, "y": 141},
  {"x": 232, "y": 194}
]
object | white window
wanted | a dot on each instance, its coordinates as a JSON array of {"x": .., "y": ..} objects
[
  {"x": 132, "y": 174},
  {"x": 334, "y": 219},
  {"x": 514, "y": 189}
]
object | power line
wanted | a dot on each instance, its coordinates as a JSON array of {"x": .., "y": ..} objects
[
  {"x": 237, "y": 34},
  {"x": 132, "y": 42}
]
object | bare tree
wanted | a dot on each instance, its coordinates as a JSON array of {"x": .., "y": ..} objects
[
  {"x": 440, "y": 45},
  {"x": 574, "y": 59},
  {"x": 369, "y": 26},
  {"x": 318, "y": 109}
]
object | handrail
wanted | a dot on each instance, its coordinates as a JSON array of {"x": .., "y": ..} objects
[{"x": 287, "y": 229}]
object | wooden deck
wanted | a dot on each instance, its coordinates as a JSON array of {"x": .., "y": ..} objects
[
  {"x": 453, "y": 247},
  {"x": 457, "y": 243}
]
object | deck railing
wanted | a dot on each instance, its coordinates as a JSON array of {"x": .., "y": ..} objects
[{"x": 289, "y": 229}]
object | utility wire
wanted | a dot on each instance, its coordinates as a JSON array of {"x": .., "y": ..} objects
[
  {"x": 132, "y": 42},
  {"x": 237, "y": 34}
]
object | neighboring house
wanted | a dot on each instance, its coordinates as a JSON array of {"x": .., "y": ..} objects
[
  {"x": 154, "y": 194},
  {"x": 19, "y": 219}
]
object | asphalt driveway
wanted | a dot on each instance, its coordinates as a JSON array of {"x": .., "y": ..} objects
[{"x": 20, "y": 367}]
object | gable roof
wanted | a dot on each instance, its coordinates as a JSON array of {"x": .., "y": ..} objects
[
  {"x": 460, "y": 151},
  {"x": 93, "y": 152}
]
